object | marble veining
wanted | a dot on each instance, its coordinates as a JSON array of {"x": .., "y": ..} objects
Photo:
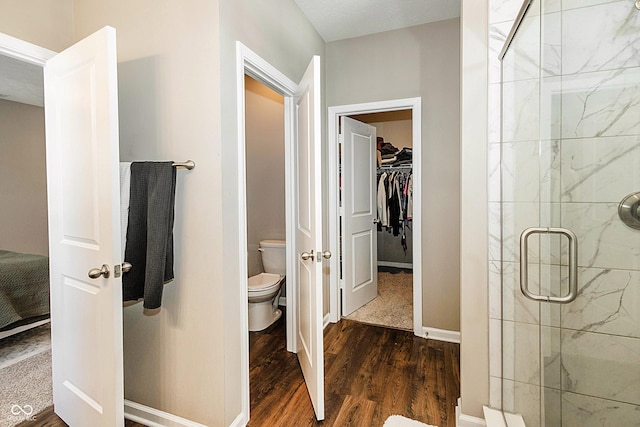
[
  {"x": 587, "y": 411},
  {"x": 604, "y": 103},
  {"x": 603, "y": 240},
  {"x": 612, "y": 374},
  {"x": 602, "y": 37},
  {"x": 521, "y": 105},
  {"x": 600, "y": 169},
  {"x": 607, "y": 302}
]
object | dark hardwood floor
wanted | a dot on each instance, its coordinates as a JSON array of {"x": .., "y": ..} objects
[
  {"x": 48, "y": 418},
  {"x": 370, "y": 373}
]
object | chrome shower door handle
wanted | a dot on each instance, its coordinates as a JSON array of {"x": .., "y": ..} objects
[{"x": 573, "y": 264}]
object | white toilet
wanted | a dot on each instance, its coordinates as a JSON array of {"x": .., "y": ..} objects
[{"x": 264, "y": 288}]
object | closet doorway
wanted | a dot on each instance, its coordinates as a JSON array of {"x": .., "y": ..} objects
[{"x": 375, "y": 279}]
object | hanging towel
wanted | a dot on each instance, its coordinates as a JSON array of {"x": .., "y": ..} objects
[
  {"x": 125, "y": 188},
  {"x": 150, "y": 232}
]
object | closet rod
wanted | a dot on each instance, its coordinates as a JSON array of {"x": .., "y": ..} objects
[
  {"x": 404, "y": 166},
  {"x": 189, "y": 164}
]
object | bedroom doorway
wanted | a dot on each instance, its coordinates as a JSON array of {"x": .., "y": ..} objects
[
  {"x": 25, "y": 342},
  {"x": 80, "y": 87}
]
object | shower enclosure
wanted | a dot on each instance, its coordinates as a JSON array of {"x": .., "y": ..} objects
[{"x": 569, "y": 268}]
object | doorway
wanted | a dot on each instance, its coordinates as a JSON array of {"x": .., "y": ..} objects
[
  {"x": 391, "y": 255},
  {"x": 25, "y": 349},
  {"x": 303, "y": 236},
  {"x": 411, "y": 107}
]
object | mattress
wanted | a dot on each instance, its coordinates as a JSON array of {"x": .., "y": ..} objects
[{"x": 24, "y": 288}]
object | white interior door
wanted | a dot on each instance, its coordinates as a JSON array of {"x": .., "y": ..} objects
[
  {"x": 359, "y": 209},
  {"x": 308, "y": 223},
  {"x": 81, "y": 114}
]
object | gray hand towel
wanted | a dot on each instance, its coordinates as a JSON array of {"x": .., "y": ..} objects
[{"x": 150, "y": 232}]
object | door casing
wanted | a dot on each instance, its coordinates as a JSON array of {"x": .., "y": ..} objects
[
  {"x": 415, "y": 105},
  {"x": 249, "y": 63}
]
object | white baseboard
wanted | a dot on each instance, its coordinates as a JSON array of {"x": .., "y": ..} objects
[
  {"x": 326, "y": 320},
  {"x": 240, "y": 421},
  {"x": 23, "y": 328},
  {"x": 441, "y": 335},
  {"x": 154, "y": 418},
  {"x": 467, "y": 420},
  {"x": 407, "y": 265}
]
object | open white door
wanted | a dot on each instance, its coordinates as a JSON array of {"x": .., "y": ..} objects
[
  {"x": 359, "y": 210},
  {"x": 308, "y": 223},
  {"x": 81, "y": 114}
]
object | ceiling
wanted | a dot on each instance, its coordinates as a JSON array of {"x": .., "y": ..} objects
[
  {"x": 344, "y": 19},
  {"x": 21, "y": 82},
  {"x": 333, "y": 19}
]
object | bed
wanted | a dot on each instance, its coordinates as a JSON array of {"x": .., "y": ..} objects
[{"x": 24, "y": 291}]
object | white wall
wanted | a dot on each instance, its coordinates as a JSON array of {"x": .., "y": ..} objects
[
  {"x": 417, "y": 61},
  {"x": 264, "y": 139},
  {"x": 23, "y": 179},
  {"x": 474, "y": 315}
]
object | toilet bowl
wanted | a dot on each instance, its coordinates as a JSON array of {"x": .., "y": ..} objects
[{"x": 264, "y": 288}]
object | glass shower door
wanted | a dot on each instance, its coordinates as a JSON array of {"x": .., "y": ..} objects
[{"x": 570, "y": 153}]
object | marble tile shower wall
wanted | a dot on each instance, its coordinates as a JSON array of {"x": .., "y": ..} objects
[{"x": 571, "y": 152}]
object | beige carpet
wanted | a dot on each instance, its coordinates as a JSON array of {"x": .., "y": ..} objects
[
  {"x": 25, "y": 389},
  {"x": 21, "y": 346},
  {"x": 393, "y": 307}
]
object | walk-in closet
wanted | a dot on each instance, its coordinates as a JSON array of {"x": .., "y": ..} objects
[{"x": 392, "y": 304}]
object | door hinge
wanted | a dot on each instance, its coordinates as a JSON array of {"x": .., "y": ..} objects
[
  {"x": 341, "y": 284},
  {"x": 340, "y": 139}
]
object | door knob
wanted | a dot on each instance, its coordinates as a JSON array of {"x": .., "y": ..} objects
[
  {"x": 376, "y": 220},
  {"x": 126, "y": 267},
  {"x": 306, "y": 255},
  {"x": 326, "y": 254},
  {"x": 95, "y": 273}
]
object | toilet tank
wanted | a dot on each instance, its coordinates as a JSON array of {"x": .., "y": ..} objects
[{"x": 273, "y": 256}]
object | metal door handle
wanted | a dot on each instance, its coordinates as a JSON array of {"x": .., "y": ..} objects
[
  {"x": 376, "y": 220},
  {"x": 573, "y": 265},
  {"x": 126, "y": 267},
  {"x": 326, "y": 254},
  {"x": 95, "y": 273},
  {"x": 306, "y": 255}
]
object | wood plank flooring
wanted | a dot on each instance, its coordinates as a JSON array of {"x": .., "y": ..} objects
[
  {"x": 48, "y": 418},
  {"x": 370, "y": 373}
]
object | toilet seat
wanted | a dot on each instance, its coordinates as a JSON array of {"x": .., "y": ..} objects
[{"x": 264, "y": 283}]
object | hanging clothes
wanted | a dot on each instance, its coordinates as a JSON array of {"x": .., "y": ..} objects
[{"x": 395, "y": 204}]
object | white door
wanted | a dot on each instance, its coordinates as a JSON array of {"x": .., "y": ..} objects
[
  {"x": 308, "y": 221},
  {"x": 81, "y": 114},
  {"x": 359, "y": 210}
]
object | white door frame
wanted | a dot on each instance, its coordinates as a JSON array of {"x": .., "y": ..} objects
[
  {"x": 251, "y": 64},
  {"x": 415, "y": 105},
  {"x": 24, "y": 51}
]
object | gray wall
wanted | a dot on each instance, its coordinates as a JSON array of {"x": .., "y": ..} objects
[
  {"x": 264, "y": 139},
  {"x": 418, "y": 61},
  {"x": 23, "y": 179}
]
